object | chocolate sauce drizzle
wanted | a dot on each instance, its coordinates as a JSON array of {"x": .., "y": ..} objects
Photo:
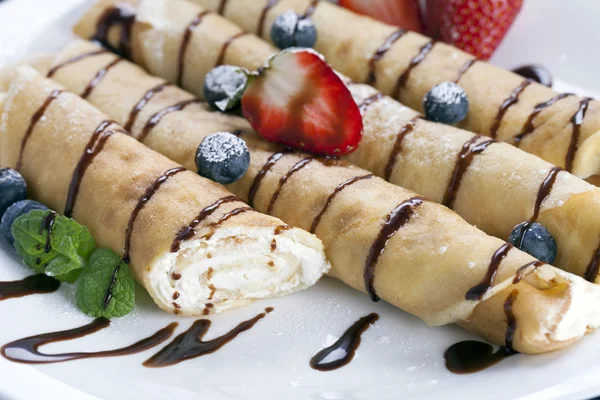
[
  {"x": 466, "y": 66},
  {"x": 370, "y": 100},
  {"x": 380, "y": 53},
  {"x": 478, "y": 291},
  {"x": 122, "y": 15},
  {"x": 141, "y": 203},
  {"x": 423, "y": 52},
  {"x": 189, "y": 231},
  {"x": 263, "y": 16},
  {"x": 506, "y": 104},
  {"x": 74, "y": 60},
  {"x": 142, "y": 103},
  {"x": 26, "y": 351},
  {"x": 99, "y": 77},
  {"x": 473, "y": 356},
  {"x": 156, "y": 118},
  {"x": 190, "y": 344},
  {"x": 34, "y": 120},
  {"x": 338, "y": 189},
  {"x": 346, "y": 345},
  {"x": 576, "y": 121},
  {"x": 529, "y": 127},
  {"x": 312, "y": 8},
  {"x": 34, "y": 284},
  {"x": 260, "y": 176},
  {"x": 227, "y": 217},
  {"x": 221, "y": 58},
  {"x": 536, "y": 73},
  {"x": 393, "y": 222},
  {"x": 47, "y": 226},
  {"x": 94, "y": 146},
  {"x": 406, "y": 129},
  {"x": 593, "y": 268},
  {"x": 184, "y": 45},
  {"x": 297, "y": 167},
  {"x": 464, "y": 159},
  {"x": 522, "y": 272},
  {"x": 222, "y": 7}
]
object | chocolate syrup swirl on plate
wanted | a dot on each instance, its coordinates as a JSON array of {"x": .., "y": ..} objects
[
  {"x": 380, "y": 53},
  {"x": 185, "y": 41},
  {"x": 35, "y": 118},
  {"x": 332, "y": 196},
  {"x": 343, "y": 350},
  {"x": 473, "y": 356},
  {"x": 189, "y": 231},
  {"x": 423, "y": 52},
  {"x": 478, "y": 291},
  {"x": 297, "y": 167},
  {"x": 34, "y": 284},
  {"x": 92, "y": 149},
  {"x": 141, "y": 203},
  {"x": 75, "y": 60},
  {"x": 465, "y": 157},
  {"x": 190, "y": 344},
  {"x": 528, "y": 127},
  {"x": 506, "y": 104},
  {"x": 122, "y": 15},
  {"x": 393, "y": 222},
  {"x": 142, "y": 103},
  {"x": 26, "y": 351}
]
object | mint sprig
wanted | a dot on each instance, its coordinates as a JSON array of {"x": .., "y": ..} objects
[
  {"x": 71, "y": 244},
  {"x": 97, "y": 280}
]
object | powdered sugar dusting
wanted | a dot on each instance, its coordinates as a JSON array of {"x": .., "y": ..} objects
[
  {"x": 448, "y": 93},
  {"x": 221, "y": 146}
]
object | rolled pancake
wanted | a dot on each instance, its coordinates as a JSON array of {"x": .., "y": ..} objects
[
  {"x": 191, "y": 255},
  {"x": 500, "y": 188},
  {"x": 406, "y": 65},
  {"x": 433, "y": 264}
]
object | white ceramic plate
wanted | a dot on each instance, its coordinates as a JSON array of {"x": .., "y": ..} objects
[{"x": 399, "y": 356}]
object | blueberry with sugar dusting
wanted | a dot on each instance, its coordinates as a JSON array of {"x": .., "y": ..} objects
[
  {"x": 12, "y": 188},
  {"x": 224, "y": 87},
  {"x": 534, "y": 238},
  {"x": 222, "y": 157},
  {"x": 447, "y": 103},
  {"x": 15, "y": 211},
  {"x": 292, "y": 30}
]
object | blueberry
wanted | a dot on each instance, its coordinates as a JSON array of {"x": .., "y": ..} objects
[
  {"x": 15, "y": 211},
  {"x": 222, "y": 157},
  {"x": 12, "y": 188},
  {"x": 224, "y": 87},
  {"x": 534, "y": 238},
  {"x": 291, "y": 30},
  {"x": 447, "y": 103}
]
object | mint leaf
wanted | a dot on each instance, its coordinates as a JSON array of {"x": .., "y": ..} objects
[
  {"x": 70, "y": 245},
  {"x": 95, "y": 282}
]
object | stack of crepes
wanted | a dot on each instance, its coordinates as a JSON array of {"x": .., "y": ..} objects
[
  {"x": 195, "y": 247},
  {"x": 491, "y": 185},
  {"x": 561, "y": 129},
  {"x": 380, "y": 238}
]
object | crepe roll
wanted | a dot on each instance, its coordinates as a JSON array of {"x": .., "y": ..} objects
[
  {"x": 194, "y": 246},
  {"x": 490, "y": 184},
  {"x": 381, "y": 239},
  {"x": 563, "y": 129}
]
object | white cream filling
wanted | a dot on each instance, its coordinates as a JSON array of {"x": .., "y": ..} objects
[{"x": 235, "y": 266}]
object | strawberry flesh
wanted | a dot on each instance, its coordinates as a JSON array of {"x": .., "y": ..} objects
[
  {"x": 299, "y": 101},
  {"x": 403, "y": 13}
]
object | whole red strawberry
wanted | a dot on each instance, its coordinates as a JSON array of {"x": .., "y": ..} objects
[
  {"x": 299, "y": 101},
  {"x": 403, "y": 13},
  {"x": 475, "y": 26}
]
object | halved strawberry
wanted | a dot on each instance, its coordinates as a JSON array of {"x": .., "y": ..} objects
[
  {"x": 475, "y": 26},
  {"x": 299, "y": 101},
  {"x": 403, "y": 13}
]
